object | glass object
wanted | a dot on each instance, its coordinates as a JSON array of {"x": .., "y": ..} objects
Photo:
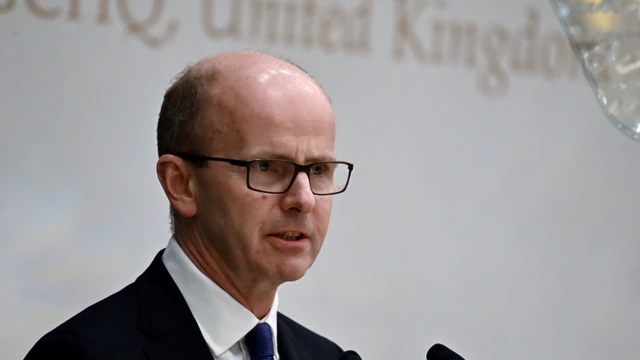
[{"x": 605, "y": 37}]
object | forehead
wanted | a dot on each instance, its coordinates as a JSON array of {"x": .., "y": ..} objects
[{"x": 275, "y": 113}]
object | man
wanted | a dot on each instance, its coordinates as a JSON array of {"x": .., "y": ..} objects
[{"x": 246, "y": 218}]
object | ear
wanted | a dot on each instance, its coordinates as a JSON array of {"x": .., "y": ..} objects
[{"x": 177, "y": 183}]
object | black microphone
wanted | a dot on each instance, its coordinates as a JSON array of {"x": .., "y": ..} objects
[
  {"x": 350, "y": 355},
  {"x": 441, "y": 352}
]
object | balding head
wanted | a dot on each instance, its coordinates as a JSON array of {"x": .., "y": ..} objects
[{"x": 248, "y": 74}]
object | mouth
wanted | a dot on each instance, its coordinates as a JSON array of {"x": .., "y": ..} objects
[{"x": 289, "y": 235}]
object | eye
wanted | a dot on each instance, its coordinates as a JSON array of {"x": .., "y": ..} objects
[
  {"x": 317, "y": 169},
  {"x": 263, "y": 165}
]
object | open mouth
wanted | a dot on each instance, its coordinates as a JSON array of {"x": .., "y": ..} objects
[{"x": 289, "y": 236}]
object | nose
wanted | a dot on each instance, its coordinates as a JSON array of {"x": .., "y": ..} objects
[{"x": 299, "y": 197}]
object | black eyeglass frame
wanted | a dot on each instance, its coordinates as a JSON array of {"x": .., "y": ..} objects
[{"x": 247, "y": 164}]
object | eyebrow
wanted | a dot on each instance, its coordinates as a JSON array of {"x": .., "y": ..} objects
[{"x": 268, "y": 154}]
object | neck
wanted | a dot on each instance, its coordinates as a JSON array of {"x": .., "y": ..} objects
[{"x": 255, "y": 296}]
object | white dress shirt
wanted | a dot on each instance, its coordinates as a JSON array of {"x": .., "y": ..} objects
[{"x": 223, "y": 321}]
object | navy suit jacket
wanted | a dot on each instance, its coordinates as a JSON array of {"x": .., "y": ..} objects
[{"x": 149, "y": 319}]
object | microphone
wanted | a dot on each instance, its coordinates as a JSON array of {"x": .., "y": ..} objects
[
  {"x": 441, "y": 352},
  {"x": 350, "y": 355}
]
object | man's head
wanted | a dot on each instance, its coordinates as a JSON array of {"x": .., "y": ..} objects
[{"x": 245, "y": 106}]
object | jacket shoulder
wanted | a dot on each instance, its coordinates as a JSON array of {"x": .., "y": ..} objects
[{"x": 108, "y": 323}]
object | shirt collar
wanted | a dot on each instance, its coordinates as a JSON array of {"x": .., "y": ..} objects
[{"x": 223, "y": 321}]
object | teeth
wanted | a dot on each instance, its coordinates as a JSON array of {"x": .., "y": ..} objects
[{"x": 289, "y": 235}]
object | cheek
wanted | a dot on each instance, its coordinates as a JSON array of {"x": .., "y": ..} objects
[
  {"x": 252, "y": 210},
  {"x": 225, "y": 205},
  {"x": 323, "y": 212}
]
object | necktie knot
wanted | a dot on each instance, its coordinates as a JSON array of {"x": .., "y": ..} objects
[{"x": 260, "y": 343}]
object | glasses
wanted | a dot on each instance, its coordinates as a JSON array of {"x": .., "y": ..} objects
[{"x": 275, "y": 176}]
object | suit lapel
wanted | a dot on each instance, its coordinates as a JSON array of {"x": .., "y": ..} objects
[
  {"x": 288, "y": 347},
  {"x": 183, "y": 343},
  {"x": 166, "y": 319}
]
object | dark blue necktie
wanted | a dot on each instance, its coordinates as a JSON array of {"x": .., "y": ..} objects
[{"x": 259, "y": 342}]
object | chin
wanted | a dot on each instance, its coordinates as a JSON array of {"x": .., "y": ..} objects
[{"x": 293, "y": 270}]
